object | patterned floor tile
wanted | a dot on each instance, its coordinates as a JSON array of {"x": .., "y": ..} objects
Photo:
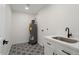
[{"x": 26, "y": 49}]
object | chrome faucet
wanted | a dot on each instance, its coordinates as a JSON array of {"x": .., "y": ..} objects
[{"x": 69, "y": 34}]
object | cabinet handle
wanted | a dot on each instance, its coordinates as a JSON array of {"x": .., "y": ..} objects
[
  {"x": 66, "y": 52},
  {"x": 48, "y": 43}
]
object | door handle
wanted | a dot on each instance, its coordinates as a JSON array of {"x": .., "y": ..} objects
[{"x": 5, "y": 42}]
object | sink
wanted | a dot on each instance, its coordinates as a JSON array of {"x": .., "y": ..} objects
[{"x": 68, "y": 40}]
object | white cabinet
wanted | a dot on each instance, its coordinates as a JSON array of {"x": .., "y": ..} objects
[
  {"x": 65, "y": 50},
  {"x": 60, "y": 50},
  {"x": 69, "y": 51},
  {"x": 54, "y": 48},
  {"x": 49, "y": 48}
]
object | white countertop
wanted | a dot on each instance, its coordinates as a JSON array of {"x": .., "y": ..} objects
[{"x": 72, "y": 45}]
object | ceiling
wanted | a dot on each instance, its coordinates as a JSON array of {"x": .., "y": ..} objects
[{"x": 33, "y": 8}]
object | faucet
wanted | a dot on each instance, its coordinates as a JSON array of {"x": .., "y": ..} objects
[{"x": 68, "y": 35}]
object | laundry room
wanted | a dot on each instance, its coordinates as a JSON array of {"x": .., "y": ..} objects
[{"x": 39, "y": 29}]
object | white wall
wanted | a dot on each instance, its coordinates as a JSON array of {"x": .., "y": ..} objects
[
  {"x": 21, "y": 27},
  {"x": 56, "y": 18},
  {"x": 14, "y": 27},
  {"x": 5, "y": 27},
  {"x": 2, "y": 25}
]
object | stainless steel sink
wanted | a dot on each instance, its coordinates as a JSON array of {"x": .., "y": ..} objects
[{"x": 68, "y": 40}]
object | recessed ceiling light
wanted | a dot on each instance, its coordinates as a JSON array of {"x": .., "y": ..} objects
[{"x": 27, "y": 7}]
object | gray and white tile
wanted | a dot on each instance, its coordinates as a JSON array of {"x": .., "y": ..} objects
[{"x": 26, "y": 49}]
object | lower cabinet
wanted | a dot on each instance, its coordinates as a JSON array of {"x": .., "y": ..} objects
[
  {"x": 48, "y": 48},
  {"x": 52, "y": 48}
]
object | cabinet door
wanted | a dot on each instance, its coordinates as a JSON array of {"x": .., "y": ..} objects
[
  {"x": 60, "y": 52},
  {"x": 57, "y": 49},
  {"x": 69, "y": 51},
  {"x": 65, "y": 50},
  {"x": 48, "y": 48}
]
